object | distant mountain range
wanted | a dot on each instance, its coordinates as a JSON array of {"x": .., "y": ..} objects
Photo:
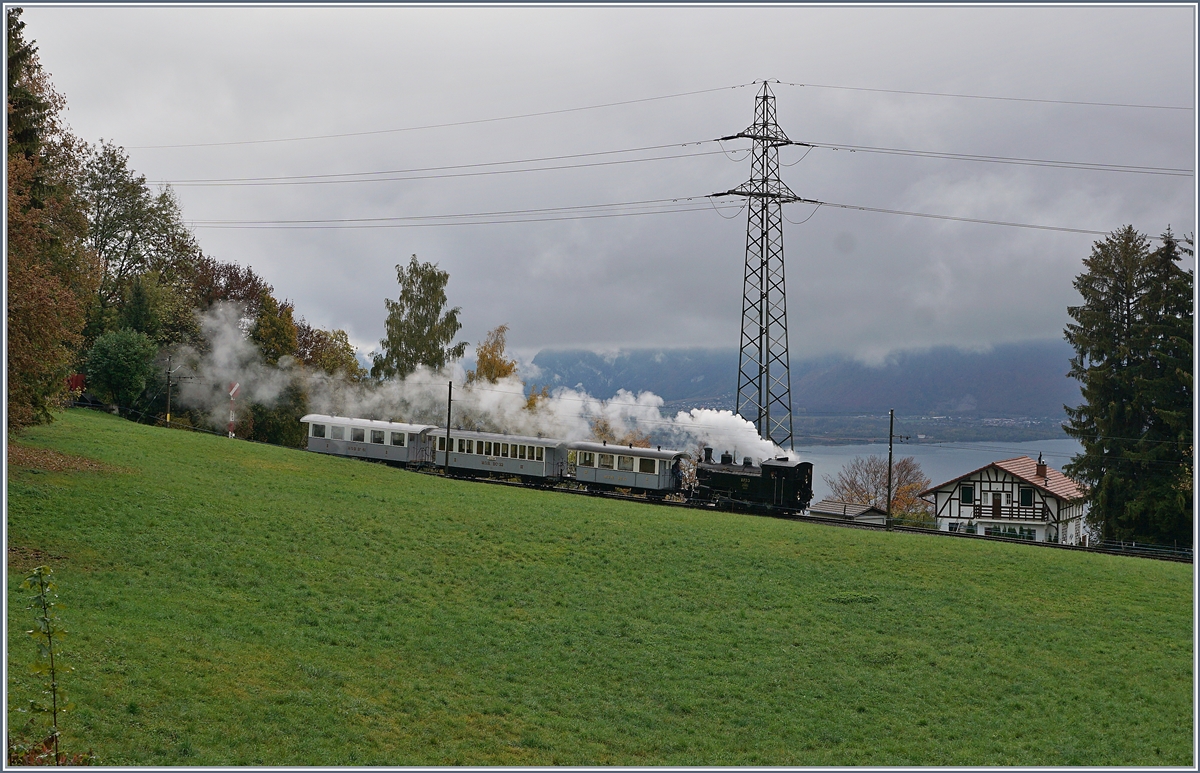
[{"x": 1026, "y": 379}]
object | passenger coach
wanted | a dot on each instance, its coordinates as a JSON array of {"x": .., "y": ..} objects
[
  {"x": 642, "y": 469},
  {"x": 385, "y": 441},
  {"x": 491, "y": 453}
]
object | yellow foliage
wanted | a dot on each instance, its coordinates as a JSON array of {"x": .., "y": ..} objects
[{"x": 490, "y": 363}]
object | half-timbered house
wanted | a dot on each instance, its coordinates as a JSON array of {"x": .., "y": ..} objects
[{"x": 1019, "y": 498}]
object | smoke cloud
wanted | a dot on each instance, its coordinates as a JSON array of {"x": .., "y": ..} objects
[{"x": 420, "y": 398}]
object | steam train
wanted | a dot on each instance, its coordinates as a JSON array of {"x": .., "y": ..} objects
[{"x": 778, "y": 483}]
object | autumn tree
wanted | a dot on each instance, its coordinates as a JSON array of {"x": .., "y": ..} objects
[
  {"x": 603, "y": 431},
  {"x": 864, "y": 480},
  {"x": 134, "y": 232},
  {"x": 50, "y": 272},
  {"x": 1133, "y": 341},
  {"x": 328, "y": 350},
  {"x": 419, "y": 328},
  {"x": 274, "y": 329},
  {"x": 491, "y": 364}
]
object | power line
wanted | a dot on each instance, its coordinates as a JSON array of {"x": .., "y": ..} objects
[
  {"x": 958, "y": 219},
  {"x": 319, "y": 225},
  {"x": 438, "y": 125},
  {"x": 413, "y": 173},
  {"x": 428, "y": 168},
  {"x": 493, "y": 213},
  {"x": 990, "y": 97},
  {"x": 410, "y": 177},
  {"x": 1088, "y": 166}
]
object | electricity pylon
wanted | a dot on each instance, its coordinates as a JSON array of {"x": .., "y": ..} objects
[{"x": 764, "y": 377}]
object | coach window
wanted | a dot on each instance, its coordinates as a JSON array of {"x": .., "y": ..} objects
[
  {"x": 441, "y": 443},
  {"x": 606, "y": 461},
  {"x": 398, "y": 438},
  {"x": 377, "y": 436},
  {"x": 520, "y": 452},
  {"x": 462, "y": 446},
  {"x": 966, "y": 494},
  {"x": 504, "y": 450},
  {"x": 646, "y": 466},
  {"x": 337, "y": 433},
  {"x": 539, "y": 453},
  {"x": 625, "y": 463},
  {"x": 586, "y": 459},
  {"x": 318, "y": 430},
  {"x": 412, "y": 437},
  {"x": 357, "y": 435},
  {"x": 1026, "y": 497}
]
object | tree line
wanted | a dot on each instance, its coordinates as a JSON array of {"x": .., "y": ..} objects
[{"x": 105, "y": 278}]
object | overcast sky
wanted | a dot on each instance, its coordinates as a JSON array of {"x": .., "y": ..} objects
[{"x": 859, "y": 283}]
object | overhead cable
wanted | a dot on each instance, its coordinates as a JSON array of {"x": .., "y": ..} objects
[
  {"x": 439, "y": 125},
  {"x": 986, "y": 96}
]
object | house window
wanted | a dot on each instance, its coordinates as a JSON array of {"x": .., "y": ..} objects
[
  {"x": 646, "y": 466},
  {"x": 966, "y": 493},
  {"x": 357, "y": 435},
  {"x": 318, "y": 430},
  {"x": 377, "y": 436},
  {"x": 1026, "y": 497}
]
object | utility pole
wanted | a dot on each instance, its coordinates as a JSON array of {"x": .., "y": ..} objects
[
  {"x": 764, "y": 393},
  {"x": 891, "y": 434},
  {"x": 449, "y": 402},
  {"x": 168, "y": 390}
]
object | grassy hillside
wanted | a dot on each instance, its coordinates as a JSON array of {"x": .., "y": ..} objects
[{"x": 231, "y": 603}]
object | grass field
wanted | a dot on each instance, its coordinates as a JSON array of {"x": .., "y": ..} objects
[{"x": 231, "y": 603}]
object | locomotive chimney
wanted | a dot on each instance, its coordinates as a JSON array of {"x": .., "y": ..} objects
[
  {"x": 726, "y": 458},
  {"x": 707, "y": 455},
  {"x": 747, "y": 461}
]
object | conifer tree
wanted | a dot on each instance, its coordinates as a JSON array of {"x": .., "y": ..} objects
[{"x": 1132, "y": 338}]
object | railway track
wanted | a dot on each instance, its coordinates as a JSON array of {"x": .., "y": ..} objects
[{"x": 737, "y": 507}]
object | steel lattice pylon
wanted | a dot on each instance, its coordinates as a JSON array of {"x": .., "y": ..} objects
[{"x": 764, "y": 393}]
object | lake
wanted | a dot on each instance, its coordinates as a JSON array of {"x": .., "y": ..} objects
[{"x": 940, "y": 461}]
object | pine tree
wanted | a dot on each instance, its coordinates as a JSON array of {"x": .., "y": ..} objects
[{"x": 1132, "y": 337}]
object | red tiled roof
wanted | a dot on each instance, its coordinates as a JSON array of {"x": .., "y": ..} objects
[{"x": 1022, "y": 467}]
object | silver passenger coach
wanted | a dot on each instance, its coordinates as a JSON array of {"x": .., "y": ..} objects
[
  {"x": 494, "y": 453},
  {"x": 386, "y": 441},
  {"x": 637, "y": 468}
]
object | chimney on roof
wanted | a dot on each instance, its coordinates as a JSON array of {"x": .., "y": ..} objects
[{"x": 1041, "y": 467}]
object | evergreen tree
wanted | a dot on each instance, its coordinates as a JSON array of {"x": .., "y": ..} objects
[
  {"x": 1132, "y": 337},
  {"x": 418, "y": 331}
]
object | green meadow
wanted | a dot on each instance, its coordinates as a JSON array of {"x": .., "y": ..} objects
[{"x": 231, "y": 603}]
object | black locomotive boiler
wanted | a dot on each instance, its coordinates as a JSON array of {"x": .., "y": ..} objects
[{"x": 779, "y": 482}]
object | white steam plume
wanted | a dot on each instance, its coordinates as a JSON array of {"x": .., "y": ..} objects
[{"x": 567, "y": 414}]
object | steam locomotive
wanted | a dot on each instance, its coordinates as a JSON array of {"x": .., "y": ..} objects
[{"x": 777, "y": 483}]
